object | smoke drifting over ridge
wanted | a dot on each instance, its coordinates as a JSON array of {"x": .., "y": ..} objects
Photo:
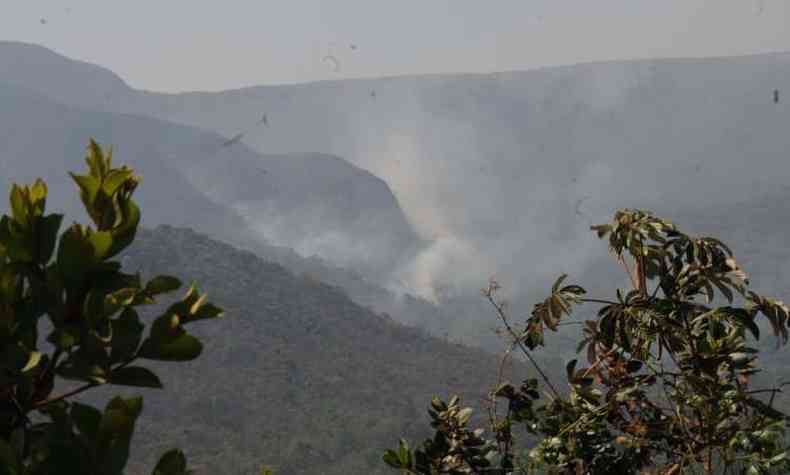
[{"x": 490, "y": 169}]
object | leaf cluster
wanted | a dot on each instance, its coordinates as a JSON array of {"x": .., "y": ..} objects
[
  {"x": 69, "y": 284},
  {"x": 667, "y": 385}
]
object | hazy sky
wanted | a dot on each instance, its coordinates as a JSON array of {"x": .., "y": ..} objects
[{"x": 178, "y": 45}]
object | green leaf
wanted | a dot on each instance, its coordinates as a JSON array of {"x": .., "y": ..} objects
[
  {"x": 115, "y": 433},
  {"x": 48, "y": 236},
  {"x": 87, "y": 419},
  {"x": 124, "y": 234},
  {"x": 464, "y": 415},
  {"x": 162, "y": 284},
  {"x": 172, "y": 462},
  {"x": 182, "y": 348},
  {"x": 633, "y": 366},
  {"x": 135, "y": 376},
  {"x": 75, "y": 255},
  {"x": 32, "y": 362},
  {"x": 115, "y": 178},
  {"x": 85, "y": 364},
  {"x": 745, "y": 319},
  {"x": 205, "y": 312},
  {"x": 120, "y": 298},
  {"x": 62, "y": 338},
  {"x": 127, "y": 331},
  {"x": 391, "y": 458},
  {"x": 569, "y": 369},
  {"x": 9, "y": 461},
  {"x": 101, "y": 242},
  {"x": 19, "y": 205},
  {"x": 89, "y": 187},
  {"x": 16, "y": 242},
  {"x": 557, "y": 283}
]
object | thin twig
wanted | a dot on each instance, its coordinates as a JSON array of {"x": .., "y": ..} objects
[
  {"x": 607, "y": 302},
  {"x": 523, "y": 348},
  {"x": 65, "y": 395},
  {"x": 627, "y": 270},
  {"x": 82, "y": 388}
]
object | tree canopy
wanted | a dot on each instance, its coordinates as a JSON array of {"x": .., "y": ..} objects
[
  {"x": 666, "y": 385},
  {"x": 69, "y": 323}
]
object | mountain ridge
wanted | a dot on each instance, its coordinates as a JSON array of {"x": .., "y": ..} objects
[
  {"x": 236, "y": 179},
  {"x": 670, "y": 59}
]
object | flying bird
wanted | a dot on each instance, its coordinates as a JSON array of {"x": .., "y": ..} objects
[
  {"x": 264, "y": 120},
  {"x": 579, "y": 203},
  {"x": 353, "y": 46},
  {"x": 43, "y": 21},
  {"x": 776, "y": 96},
  {"x": 373, "y": 94},
  {"x": 331, "y": 59},
  {"x": 233, "y": 140}
]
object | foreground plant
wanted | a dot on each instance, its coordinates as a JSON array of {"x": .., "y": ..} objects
[
  {"x": 69, "y": 285},
  {"x": 667, "y": 383}
]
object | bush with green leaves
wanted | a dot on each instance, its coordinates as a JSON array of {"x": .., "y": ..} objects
[
  {"x": 68, "y": 286},
  {"x": 668, "y": 383}
]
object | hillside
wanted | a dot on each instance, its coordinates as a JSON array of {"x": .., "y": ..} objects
[
  {"x": 296, "y": 375},
  {"x": 317, "y": 204}
]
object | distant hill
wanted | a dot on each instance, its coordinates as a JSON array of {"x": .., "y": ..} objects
[
  {"x": 503, "y": 173},
  {"x": 317, "y": 204},
  {"x": 40, "y": 138},
  {"x": 296, "y": 375},
  {"x": 503, "y": 169},
  {"x": 498, "y": 170},
  {"x": 66, "y": 80}
]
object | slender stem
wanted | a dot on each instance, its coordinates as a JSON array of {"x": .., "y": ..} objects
[
  {"x": 758, "y": 391},
  {"x": 598, "y": 361},
  {"x": 523, "y": 348},
  {"x": 642, "y": 274},
  {"x": 628, "y": 271},
  {"x": 65, "y": 395},
  {"x": 82, "y": 388},
  {"x": 54, "y": 361},
  {"x": 607, "y": 302}
]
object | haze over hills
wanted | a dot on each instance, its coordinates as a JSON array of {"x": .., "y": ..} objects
[
  {"x": 500, "y": 174},
  {"x": 318, "y": 204},
  {"x": 504, "y": 169},
  {"x": 43, "y": 139},
  {"x": 499, "y": 170}
]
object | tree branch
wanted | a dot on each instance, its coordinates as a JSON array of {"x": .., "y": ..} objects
[
  {"x": 514, "y": 335},
  {"x": 82, "y": 388}
]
